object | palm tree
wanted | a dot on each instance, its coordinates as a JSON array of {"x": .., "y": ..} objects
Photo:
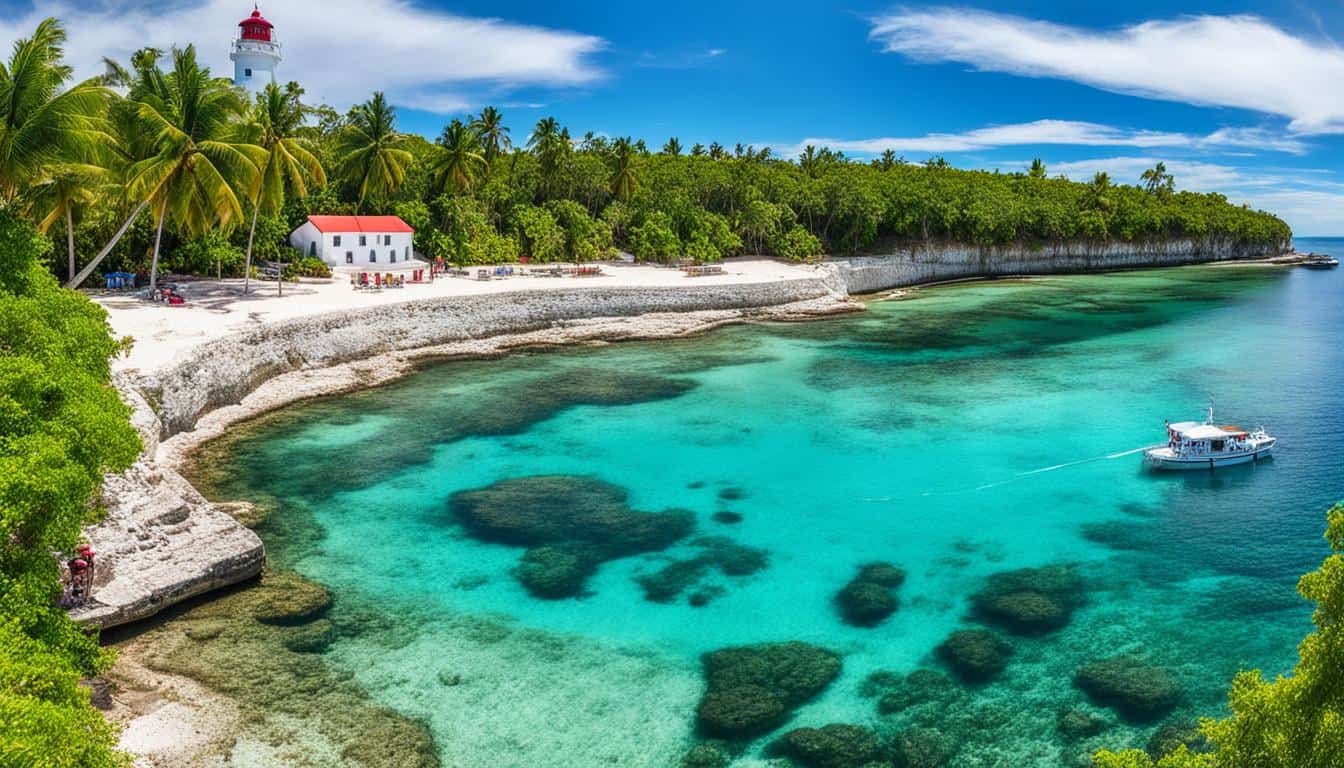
[
  {"x": 458, "y": 159},
  {"x": 672, "y": 147},
  {"x": 370, "y": 152},
  {"x": 1097, "y": 197},
  {"x": 550, "y": 143},
  {"x": 1156, "y": 179},
  {"x": 278, "y": 125},
  {"x": 810, "y": 161},
  {"x": 494, "y": 135},
  {"x": 698, "y": 150},
  {"x": 717, "y": 151},
  {"x": 1037, "y": 170},
  {"x": 193, "y": 119},
  {"x": 43, "y": 124},
  {"x": 625, "y": 174},
  {"x": 66, "y": 188}
]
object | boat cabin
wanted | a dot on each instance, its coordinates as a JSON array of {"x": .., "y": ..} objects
[{"x": 1188, "y": 436}]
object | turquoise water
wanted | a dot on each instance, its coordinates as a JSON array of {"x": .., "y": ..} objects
[{"x": 969, "y": 430}]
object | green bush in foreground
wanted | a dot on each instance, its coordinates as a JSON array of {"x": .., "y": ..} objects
[
  {"x": 1292, "y": 722},
  {"x": 62, "y": 426}
]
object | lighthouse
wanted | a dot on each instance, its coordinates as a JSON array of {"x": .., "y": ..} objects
[{"x": 255, "y": 53}]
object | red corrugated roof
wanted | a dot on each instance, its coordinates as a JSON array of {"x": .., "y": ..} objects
[{"x": 360, "y": 224}]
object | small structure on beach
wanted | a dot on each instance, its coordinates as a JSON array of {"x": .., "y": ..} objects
[{"x": 358, "y": 243}]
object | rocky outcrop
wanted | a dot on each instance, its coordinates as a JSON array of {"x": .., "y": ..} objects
[
  {"x": 224, "y": 371},
  {"x": 936, "y": 263},
  {"x": 160, "y": 542}
]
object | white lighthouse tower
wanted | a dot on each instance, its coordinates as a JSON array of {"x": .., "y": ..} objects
[{"x": 256, "y": 53}]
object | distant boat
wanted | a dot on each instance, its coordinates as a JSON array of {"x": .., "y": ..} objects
[
  {"x": 1320, "y": 261},
  {"x": 1195, "y": 445}
]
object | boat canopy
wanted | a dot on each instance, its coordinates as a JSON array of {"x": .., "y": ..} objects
[{"x": 1191, "y": 430}]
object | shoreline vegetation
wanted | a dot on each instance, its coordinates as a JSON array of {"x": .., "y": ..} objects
[{"x": 214, "y": 171}]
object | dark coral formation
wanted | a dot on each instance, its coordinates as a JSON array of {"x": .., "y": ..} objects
[
  {"x": 727, "y": 517},
  {"x": 556, "y": 572},
  {"x": 707, "y": 754},
  {"x": 975, "y": 655},
  {"x": 1079, "y": 723},
  {"x": 716, "y": 553},
  {"x": 571, "y": 525},
  {"x": 836, "y": 745},
  {"x": 1139, "y": 691},
  {"x": 1174, "y": 735},
  {"x": 1030, "y": 601},
  {"x": 923, "y": 686},
  {"x": 867, "y": 600},
  {"x": 750, "y": 690},
  {"x": 732, "y": 493},
  {"x": 289, "y": 601},
  {"x": 922, "y": 748}
]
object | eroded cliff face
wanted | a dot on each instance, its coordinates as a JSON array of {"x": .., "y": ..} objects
[{"x": 934, "y": 263}]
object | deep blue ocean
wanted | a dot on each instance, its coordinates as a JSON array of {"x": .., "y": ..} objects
[{"x": 958, "y": 432}]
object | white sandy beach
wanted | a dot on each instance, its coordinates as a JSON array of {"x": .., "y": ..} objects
[{"x": 217, "y": 308}]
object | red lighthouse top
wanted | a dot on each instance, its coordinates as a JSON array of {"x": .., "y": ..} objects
[{"x": 255, "y": 27}]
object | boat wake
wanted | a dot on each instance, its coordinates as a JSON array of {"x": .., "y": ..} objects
[{"x": 1042, "y": 470}]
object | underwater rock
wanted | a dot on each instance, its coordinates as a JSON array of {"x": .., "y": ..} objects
[
  {"x": 1173, "y": 735},
  {"x": 571, "y": 525},
  {"x": 727, "y": 518},
  {"x": 449, "y": 678},
  {"x": 921, "y": 748},
  {"x": 1137, "y": 690},
  {"x": 732, "y": 493},
  {"x": 729, "y": 557},
  {"x": 554, "y": 573},
  {"x": 707, "y": 754},
  {"x": 975, "y": 655},
  {"x": 702, "y": 597},
  {"x": 751, "y": 689},
  {"x": 314, "y": 637},
  {"x": 1078, "y": 723},
  {"x": 1030, "y": 601},
  {"x": 205, "y": 629},
  {"x": 696, "y": 485},
  {"x": 919, "y": 687},
  {"x": 866, "y": 600},
  {"x": 832, "y": 746},
  {"x": 286, "y": 600}
]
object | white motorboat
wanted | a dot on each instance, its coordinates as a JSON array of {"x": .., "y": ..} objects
[{"x": 1195, "y": 445}]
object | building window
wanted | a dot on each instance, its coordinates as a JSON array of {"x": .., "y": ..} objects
[
  {"x": 336, "y": 240},
  {"x": 361, "y": 240},
  {"x": 312, "y": 248},
  {"x": 373, "y": 257},
  {"x": 349, "y": 257},
  {"x": 247, "y": 72},
  {"x": 392, "y": 256},
  {"x": 408, "y": 253},
  {"x": 387, "y": 239}
]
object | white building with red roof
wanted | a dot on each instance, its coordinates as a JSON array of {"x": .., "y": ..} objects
[{"x": 358, "y": 243}]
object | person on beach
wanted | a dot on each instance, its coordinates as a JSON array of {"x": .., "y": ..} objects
[
  {"x": 85, "y": 553},
  {"x": 78, "y": 568}
]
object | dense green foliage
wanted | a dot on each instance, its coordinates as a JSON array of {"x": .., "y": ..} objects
[
  {"x": 1292, "y": 722},
  {"x": 61, "y": 427}
]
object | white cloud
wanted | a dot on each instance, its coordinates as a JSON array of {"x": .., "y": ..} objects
[
  {"x": 340, "y": 50},
  {"x": 1231, "y": 61},
  {"x": 1054, "y": 132}
]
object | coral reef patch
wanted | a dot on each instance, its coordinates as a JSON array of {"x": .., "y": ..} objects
[
  {"x": 750, "y": 690},
  {"x": 1030, "y": 601},
  {"x": 1139, "y": 691},
  {"x": 867, "y": 599}
]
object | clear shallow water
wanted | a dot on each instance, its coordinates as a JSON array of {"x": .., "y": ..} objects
[{"x": 974, "y": 429}]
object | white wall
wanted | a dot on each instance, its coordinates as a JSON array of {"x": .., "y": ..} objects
[{"x": 334, "y": 255}]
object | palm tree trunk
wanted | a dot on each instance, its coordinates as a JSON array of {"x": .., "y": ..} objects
[
  {"x": 247, "y": 264},
  {"x": 70, "y": 239},
  {"x": 92, "y": 265},
  {"x": 158, "y": 238}
]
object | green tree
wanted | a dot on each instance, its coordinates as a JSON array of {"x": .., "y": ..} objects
[
  {"x": 458, "y": 159},
  {"x": 1157, "y": 181},
  {"x": 672, "y": 147},
  {"x": 494, "y": 135},
  {"x": 1037, "y": 169},
  {"x": 371, "y": 154},
  {"x": 194, "y": 119},
  {"x": 551, "y": 146},
  {"x": 625, "y": 171},
  {"x": 289, "y": 164},
  {"x": 1293, "y": 721},
  {"x": 42, "y": 122},
  {"x": 66, "y": 189},
  {"x": 62, "y": 426}
]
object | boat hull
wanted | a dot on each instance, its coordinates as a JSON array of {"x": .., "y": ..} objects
[{"x": 1156, "y": 459}]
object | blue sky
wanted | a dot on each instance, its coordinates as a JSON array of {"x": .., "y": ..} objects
[{"x": 1246, "y": 99}]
